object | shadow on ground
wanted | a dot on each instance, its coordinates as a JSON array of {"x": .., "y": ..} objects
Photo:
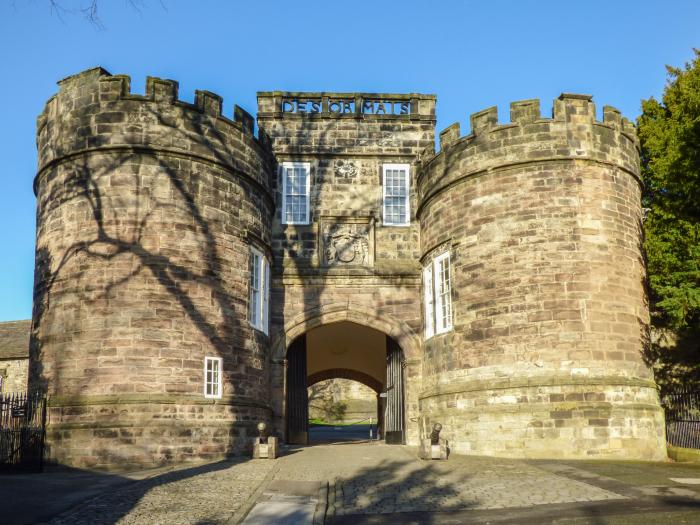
[{"x": 55, "y": 495}]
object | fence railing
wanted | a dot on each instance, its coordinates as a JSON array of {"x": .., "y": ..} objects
[
  {"x": 682, "y": 418},
  {"x": 22, "y": 431}
]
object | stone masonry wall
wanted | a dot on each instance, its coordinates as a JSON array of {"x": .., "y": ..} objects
[
  {"x": 146, "y": 209},
  {"x": 346, "y": 152},
  {"x": 542, "y": 218},
  {"x": 13, "y": 374}
]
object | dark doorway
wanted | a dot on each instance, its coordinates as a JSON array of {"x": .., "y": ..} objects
[
  {"x": 353, "y": 351},
  {"x": 394, "y": 421},
  {"x": 297, "y": 396}
]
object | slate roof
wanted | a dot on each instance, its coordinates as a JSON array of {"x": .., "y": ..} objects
[{"x": 14, "y": 339}]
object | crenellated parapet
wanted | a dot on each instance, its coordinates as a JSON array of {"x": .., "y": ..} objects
[
  {"x": 572, "y": 133},
  {"x": 95, "y": 110}
]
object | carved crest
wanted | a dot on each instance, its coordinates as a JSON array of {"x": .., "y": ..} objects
[{"x": 348, "y": 242}]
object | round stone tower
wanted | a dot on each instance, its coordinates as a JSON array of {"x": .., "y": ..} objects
[
  {"x": 147, "y": 209},
  {"x": 542, "y": 220}
]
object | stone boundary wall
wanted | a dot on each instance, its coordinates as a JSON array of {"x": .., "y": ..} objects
[
  {"x": 542, "y": 218},
  {"x": 146, "y": 210}
]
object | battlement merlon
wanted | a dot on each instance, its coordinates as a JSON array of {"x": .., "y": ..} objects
[
  {"x": 572, "y": 133},
  {"x": 96, "y": 111},
  {"x": 112, "y": 88},
  {"x": 569, "y": 109},
  {"x": 292, "y": 104}
]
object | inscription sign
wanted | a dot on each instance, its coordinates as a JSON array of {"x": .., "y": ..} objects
[
  {"x": 296, "y": 105},
  {"x": 341, "y": 106},
  {"x": 348, "y": 242}
]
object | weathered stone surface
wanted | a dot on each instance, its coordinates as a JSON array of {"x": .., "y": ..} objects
[
  {"x": 148, "y": 206},
  {"x": 380, "y": 287},
  {"x": 146, "y": 209},
  {"x": 543, "y": 221},
  {"x": 14, "y": 350}
]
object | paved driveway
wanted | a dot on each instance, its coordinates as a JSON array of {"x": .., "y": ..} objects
[{"x": 366, "y": 482}]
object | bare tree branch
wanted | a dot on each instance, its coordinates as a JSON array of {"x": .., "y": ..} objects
[{"x": 89, "y": 9}]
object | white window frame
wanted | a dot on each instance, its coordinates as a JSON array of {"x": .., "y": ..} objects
[
  {"x": 437, "y": 297},
  {"x": 407, "y": 174},
  {"x": 428, "y": 301},
  {"x": 259, "y": 298},
  {"x": 443, "y": 299},
  {"x": 291, "y": 165},
  {"x": 216, "y": 383}
]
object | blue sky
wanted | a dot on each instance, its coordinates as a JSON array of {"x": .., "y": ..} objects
[{"x": 471, "y": 54}]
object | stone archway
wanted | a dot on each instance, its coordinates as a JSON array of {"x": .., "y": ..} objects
[
  {"x": 362, "y": 315},
  {"x": 345, "y": 373},
  {"x": 344, "y": 348}
]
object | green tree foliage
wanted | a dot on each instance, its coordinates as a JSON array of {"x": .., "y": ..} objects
[{"x": 669, "y": 131}]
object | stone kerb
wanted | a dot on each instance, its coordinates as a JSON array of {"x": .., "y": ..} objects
[
  {"x": 96, "y": 111},
  {"x": 572, "y": 133}
]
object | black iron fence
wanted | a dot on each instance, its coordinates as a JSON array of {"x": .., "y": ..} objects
[
  {"x": 22, "y": 431},
  {"x": 682, "y": 418}
]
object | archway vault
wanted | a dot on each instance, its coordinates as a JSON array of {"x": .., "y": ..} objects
[
  {"x": 345, "y": 373},
  {"x": 363, "y": 315}
]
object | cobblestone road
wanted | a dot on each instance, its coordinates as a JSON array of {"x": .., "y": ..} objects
[
  {"x": 201, "y": 495},
  {"x": 378, "y": 478},
  {"x": 367, "y": 478}
]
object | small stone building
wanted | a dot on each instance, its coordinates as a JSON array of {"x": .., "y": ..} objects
[
  {"x": 194, "y": 276},
  {"x": 14, "y": 355}
]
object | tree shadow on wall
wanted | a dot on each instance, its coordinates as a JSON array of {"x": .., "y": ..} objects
[
  {"x": 337, "y": 194},
  {"x": 95, "y": 274}
]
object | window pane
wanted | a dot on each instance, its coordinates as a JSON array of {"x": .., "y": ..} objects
[
  {"x": 429, "y": 303},
  {"x": 396, "y": 196},
  {"x": 295, "y": 198},
  {"x": 443, "y": 297},
  {"x": 254, "y": 287}
]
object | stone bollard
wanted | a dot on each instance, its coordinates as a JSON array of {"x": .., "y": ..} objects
[
  {"x": 434, "y": 447},
  {"x": 264, "y": 447}
]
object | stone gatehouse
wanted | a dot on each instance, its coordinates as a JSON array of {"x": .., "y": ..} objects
[{"x": 194, "y": 275}]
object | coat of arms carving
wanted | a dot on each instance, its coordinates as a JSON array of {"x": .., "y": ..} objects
[{"x": 347, "y": 243}]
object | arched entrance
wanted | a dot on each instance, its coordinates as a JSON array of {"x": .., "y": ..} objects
[{"x": 351, "y": 350}]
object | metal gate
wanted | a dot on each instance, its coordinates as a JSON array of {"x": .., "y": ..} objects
[
  {"x": 682, "y": 409},
  {"x": 22, "y": 431},
  {"x": 394, "y": 420},
  {"x": 297, "y": 394}
]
